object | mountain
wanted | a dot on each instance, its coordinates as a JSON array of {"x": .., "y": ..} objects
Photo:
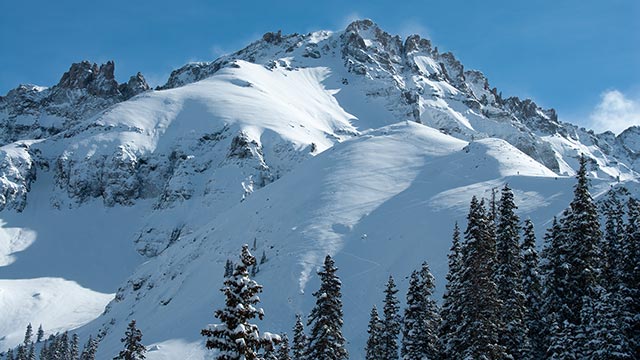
[{"x": 354, "y": 143}]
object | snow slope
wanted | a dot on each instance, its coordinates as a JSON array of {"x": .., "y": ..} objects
[{"x": 381, "y": 204}]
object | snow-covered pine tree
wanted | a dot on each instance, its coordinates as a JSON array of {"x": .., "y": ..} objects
[
  {"x": 236, "y": 338},
  {"x": 390, "y": 322},
  {"x": 133, "y": 347},
  {"x": 413, "y": 321},
  {"x": 553, "y": 270},
  {"x": 283, "y": 349},
  {"x": 451, "y": 312},
  {"x": 508, "y": 278},
  {"x": 44, "y": 351},
  {"x": 421, "y": 318},
  {"x": 22, "y": 352},
  {"x": 40, "y": 334},
  {"x": 584, "y": 239},
  {"x": 90, "y": 349},
  {"x": 74, "y": 351},
  {"x": 300, "y": 343},
  {"x": 630, "y": 277},
  {"x": 325, "y": 340},
  {"x": 31, "y": 352},
  {"x": 62, "y": 346},
  {"x": 614, "y": 234},
  {"x": 373, "y": 349},
  {"x": 607, "y": 340},
  {"x": 479, "y": 324},
  {"x": 228, "y": 268},
  {"x": 532, "y": 287},
  {"x": 9, "y": 355}
]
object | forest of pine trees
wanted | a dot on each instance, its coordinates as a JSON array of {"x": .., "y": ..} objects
[{"x": 578, "y": 299}]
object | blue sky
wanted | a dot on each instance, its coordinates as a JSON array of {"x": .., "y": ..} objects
[{"x": 580, "y": 57}]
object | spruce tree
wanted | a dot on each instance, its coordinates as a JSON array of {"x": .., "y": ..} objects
[
  {"x": 479, "y": 323},
  {"x": 44, "y": 352},
  {"x": 283, "y": 349},
  {"x": 90, "y": 349},
  {"x": 236, "y": 338},
  {"x": 607, "y": 340},
  {"x": 583, "y": 243},
  {"x": 228, "y": 268},
  {"x": 9, "y": 355},
  {"x": 421, "y": 318},
  {"x": 614, "y": 237},
  {"x": 374, "y": 349},
  {"x": 532, "y": 287},
  {"x": 62, "y": 346},
  {"x": 451, "y": 312},
  {"x": 326, "y": 341},
  {"x": 300, "y": 343},
  {"x": 630, "y": 277},
  {"x": 508, "y": 278},
  {"x": 40, "y": 334},
  {"x": 390, "y": 322},
  {"x": 133, "y": 347},
  {"x": 74, "y": 350}
]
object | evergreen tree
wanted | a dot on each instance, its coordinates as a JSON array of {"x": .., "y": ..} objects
[
  {"x": 228, "y": 268},
  {"x": 451, "y": 312},
  {"x": 630, "y": 277},
  {"x": 479, "y": 323},
  {"x": 9, "y": 355},
  {"x": 614, "y": 237},
  {"x": 90, "y": 349},
  {"x": 374, "y": 349},
  {"x": 235, "y": 338},
  {"x": 554, "y": 270},
  {"x": 421, "y": 318},
  {"x": 390, "y": 322},
  {"x": 508, "y": 278},
  {"x": 283, "y": 350},
  {"x": 583, "y": 240},
  {"x": 40, "y": 335},
  {"x": 31, "y": 353},
  {"x": 532, "y": 287},
  {"x": 607, "y": 341},
  {"x": 326, "y": 341},
  {"x": 62, "y": 346},
  {"x": 74, "y": 351},
  {"x": 133, "y": 347},
  {"x": 44, "y": 351},
  {"x": 23, "y": 351},
  {"x": 300, "y": 342}
]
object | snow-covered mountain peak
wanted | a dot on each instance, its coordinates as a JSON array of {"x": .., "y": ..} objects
[{"x": 303, "y": 143}]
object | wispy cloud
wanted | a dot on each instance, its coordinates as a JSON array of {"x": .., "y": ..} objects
[
  {"x": 615, "y": 112},
  {"x": 349, "y": 19},
  {"x": 413, "y": 27}
]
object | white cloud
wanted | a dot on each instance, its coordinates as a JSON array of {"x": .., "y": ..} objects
[
  {"x": 412, "y": 27},
  {"x": 349, "y": 19},
  {"x": 615, "y": 112}
]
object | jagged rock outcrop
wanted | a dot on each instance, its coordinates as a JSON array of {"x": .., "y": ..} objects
[{"x": 34, "y": 112}]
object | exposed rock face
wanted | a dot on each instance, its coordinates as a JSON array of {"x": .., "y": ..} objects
[
  {"x": 18, "y": 172},
  {"x": 33, "y": 112}
]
